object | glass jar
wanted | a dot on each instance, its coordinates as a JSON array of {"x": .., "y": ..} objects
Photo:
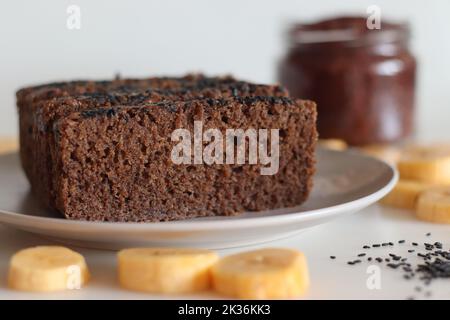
[{"x": 362, "y": 80}]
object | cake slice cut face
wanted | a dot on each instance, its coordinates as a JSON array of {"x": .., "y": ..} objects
[{"x": 131, "y": 151}]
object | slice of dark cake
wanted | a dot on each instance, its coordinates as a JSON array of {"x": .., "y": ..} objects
[
  {"x": 116, "y": 164},
  {"x": 31, "y": 99},
  {"x": 101, "y": 150},
  {"x": 39, "y": 110}
]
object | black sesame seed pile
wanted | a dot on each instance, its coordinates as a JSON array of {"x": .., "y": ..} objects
[{"x": 434, "y": 261}]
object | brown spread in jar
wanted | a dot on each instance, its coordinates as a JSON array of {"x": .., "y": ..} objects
[{"x": 362, "y": 80}]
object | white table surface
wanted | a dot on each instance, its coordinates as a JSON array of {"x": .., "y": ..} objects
[{"x": 330, "y": 279}]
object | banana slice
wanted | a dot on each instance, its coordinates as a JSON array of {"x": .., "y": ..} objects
[
  {"x": 434, "y": 205},
  {"x": 165, "y": 270},
  {"x": 426, "y": 163},
  {"x": 262, "y": 274},
  {"x": 333, "y": 144},
  {"x": 405, "y": 194},
  {"x": 47, "y": 268},
  {"x": 387, "y": 153},
  {"x": 8, "y": 145}
]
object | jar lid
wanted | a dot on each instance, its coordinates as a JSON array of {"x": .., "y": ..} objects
[{"x": 350, "y": 30}]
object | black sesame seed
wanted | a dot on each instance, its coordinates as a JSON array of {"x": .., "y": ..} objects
[
  {"x": 428, "y": 234},
  {"x": 435, "y": 262},
  {"x": 407, "y": 269},
  {"x": 332, "y": 257}
]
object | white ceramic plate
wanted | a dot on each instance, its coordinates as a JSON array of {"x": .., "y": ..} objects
[{"x": 345, "y": 182}]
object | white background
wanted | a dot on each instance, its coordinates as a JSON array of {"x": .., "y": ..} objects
[{"x": 243, "y": 37}]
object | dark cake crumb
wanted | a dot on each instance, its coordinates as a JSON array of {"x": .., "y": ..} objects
[{"x": 100, "y": 150}]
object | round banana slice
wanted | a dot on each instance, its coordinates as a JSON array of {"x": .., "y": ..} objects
[
  {"x": 262, "y": 274},
  {"x": 426, "y": 163},
  {"x": 165, "y": 270},
  {"x": 8, "y": 145},
  {"x": 405, "y": 194},
  {"x": 47, "y": 268},
  {"x": 333, "y": 144},
  {"x": 434, "y": 205},
  {"x": 387, "y": 153}
]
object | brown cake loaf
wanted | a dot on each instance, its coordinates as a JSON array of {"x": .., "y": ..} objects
[
  {"x": 40, "y": 107},
  {"x": 52, "y": 116},
  {"x": 115, "y": 164},
  {"x": 31, "y": 99}
]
